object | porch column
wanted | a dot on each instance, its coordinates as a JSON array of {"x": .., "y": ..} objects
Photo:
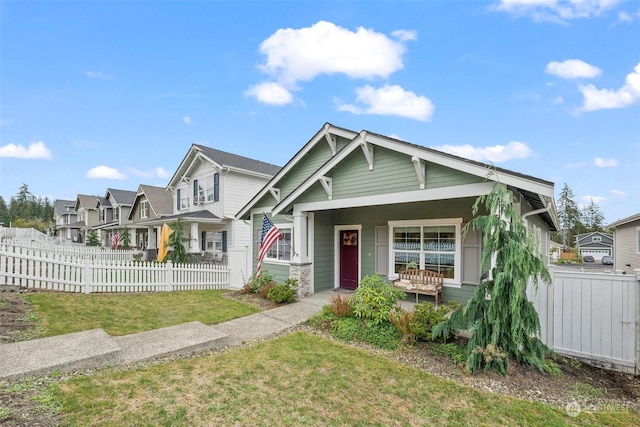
[
  {"x": 300, "y": 238},
  {"x": 152, "y": 241},
  {"x": 195, "y": 239}
]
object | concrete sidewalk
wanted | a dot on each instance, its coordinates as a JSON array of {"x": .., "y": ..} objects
[{"x": 95, "y": 349}]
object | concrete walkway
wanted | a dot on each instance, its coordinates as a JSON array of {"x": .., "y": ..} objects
[{"x": 95, "y": 349}]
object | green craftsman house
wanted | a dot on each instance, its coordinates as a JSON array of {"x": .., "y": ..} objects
[{"x": 352, "y": 204}]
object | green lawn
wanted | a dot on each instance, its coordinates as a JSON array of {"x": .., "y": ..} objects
[
  {"x": 123, "y": 314},
  {"x": 298, "y": 380}
]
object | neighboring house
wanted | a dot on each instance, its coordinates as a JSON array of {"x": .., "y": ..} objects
[
  {"x": 113, "y": 210},
  {"x": 352, "y": 204},
  {"x": 65, "y": 219},
  {"x": 87, "y": 215},
  {"x": 149, "y": 204},
  {"x": 596, "y": 244},
  {"x": 626, "y": 246},
  {"x": 555, "y": 249},
  {"x": 207, "y": 189}
]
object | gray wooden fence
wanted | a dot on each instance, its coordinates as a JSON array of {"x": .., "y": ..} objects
[{"x": 591, "y": 316}]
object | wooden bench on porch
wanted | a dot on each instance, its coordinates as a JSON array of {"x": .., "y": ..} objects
[{"x": 421, "y": 282}]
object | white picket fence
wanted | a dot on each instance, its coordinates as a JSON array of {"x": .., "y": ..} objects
[
  {"x": 35, "y": 268},
  {"x": 77, "y": 251},
  {"x": 592, "y": 316}
]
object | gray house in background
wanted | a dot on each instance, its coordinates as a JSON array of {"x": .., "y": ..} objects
[
  {"x": 596, "y": 244},
  {"x": 113, "y": 210},
  {"x": 626, "y": 247},
  {"x": 151, "y": 203},
  {"x": 65, "y": 218}
]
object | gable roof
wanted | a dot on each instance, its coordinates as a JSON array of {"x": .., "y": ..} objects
[
  {"x": 538, "y": 193},
  {"x": 59, "y": 206},
  {"x": 223, "y": 160},
  {"x": 121, "y": 197},
  {"x": 85, "y": 201},
  {"x": 160, "y": 200},
  {"x": 624, "y": 221}
]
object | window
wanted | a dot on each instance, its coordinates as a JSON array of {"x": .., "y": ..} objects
[
  {"x": 281, "y": 249},
  {"x": 211, "y": 190},
  {"x": 183, "y": 202},
  {"x": 102, "y": 214},
  {"x": 638, "y": 240},
  {"x": 198, "y": 192},
  {"x": 596, "y": 239},
  {"x": 430, "y": 244},
  {"x": 144, "y": 209},
  {"x": 214, "y": 241},
  {"x": 116, "y": 213}
]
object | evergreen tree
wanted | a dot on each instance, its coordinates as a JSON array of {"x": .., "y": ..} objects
[
  {"x": 93, "y": 239},
  {"x": 4, "y": 212},
  {"x": 568, "y": 214},
  {"x": 126, "y": 238},
  {"x": 177, "y": 239},
  {"x": 592, "y": 217},
  {"x": 503, "y": 322}
]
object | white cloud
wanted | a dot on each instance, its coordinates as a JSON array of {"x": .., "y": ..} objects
[
  {"x": 158, "y": 172},
  {"x": 625, "y": 16},
  {"x": 619, "y": 193},
  {"x": 600, "y": 99},
  {"x": 187, "y": 120},
  {"x": 494, "y": 154},
  {"x": 35, "y": 150},
  {"x": 270, "y": 93},
  {"x": 558, "y": 100},
  {"x": 556, "y": 10},
  {"x": 405, "y": 35},
  {"x": 325, "y": 48},
  {"x": 596, "y": 199},
  {"x": 391, "y": 100},
  {"x": 572, "y": 69},
  {"x": 605, "y": 163},
  {"x": 98, "y": 75},
  {"x": 104, "y": 172}
]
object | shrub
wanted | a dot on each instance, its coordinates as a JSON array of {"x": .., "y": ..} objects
[
  {"x": 454, "y": 351},
  {"x": 426, "y": 316},
  {"x": 402, "y": 320},
  {"x": 257, "y": 282},
  {"x": 341, "y": 307},
  {"x": 264, "y": 290},
  {"x": 282, "y": 294},
  {"x": 374, "y": 299},
  {"x": 382, "y": 334}
]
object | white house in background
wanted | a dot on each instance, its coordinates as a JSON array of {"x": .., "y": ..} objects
[
  {"x": 596, "y": 244},
  {"x": 626, "y": 247},
  {"x": 150, "y": 203},
  {"x": 207, "y": 189}
]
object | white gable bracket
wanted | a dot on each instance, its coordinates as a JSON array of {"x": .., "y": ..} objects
[
  {"x": 367, "y": 149},
  {"x": 275, "y": 192},
  {"x": 327, "y": 184},
  {"x": 421, "y": 170},
  {"x": 331, "y": 140}
]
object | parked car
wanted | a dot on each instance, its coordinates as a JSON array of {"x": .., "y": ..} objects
[
  {"x": 588, "y": 258},
  {"x": 607, "y": 260}
]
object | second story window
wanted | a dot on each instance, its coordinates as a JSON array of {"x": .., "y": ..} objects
[
  {"x": 212, "y": 187},
  {"x": 144, "y": 209},
  {"x": 103, "y": 214},
  {"x": 116, "y": 214}
]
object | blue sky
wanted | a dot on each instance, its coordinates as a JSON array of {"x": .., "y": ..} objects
[{"x": 97, "y": 95}]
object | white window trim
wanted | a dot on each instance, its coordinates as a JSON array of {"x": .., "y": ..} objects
[
  {"x": 336, "y": 251},
  {"x": 638, "y": 240},
  {"x": 281, "y": 227},
  {"x": 456, "y": 282}
]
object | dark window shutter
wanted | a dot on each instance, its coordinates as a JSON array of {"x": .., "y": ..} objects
[
  {"x": 224, "y": 241},
  {"x": 216, "y": 187},
  {"x": 178, "y": 199},
  {"x": 195, "y": 189},
  {"x": 203, "y": 241}
]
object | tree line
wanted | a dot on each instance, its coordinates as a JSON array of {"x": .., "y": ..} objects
[
  {"x": 575, "y": 220},
  {"x": 25, "y": 210}
]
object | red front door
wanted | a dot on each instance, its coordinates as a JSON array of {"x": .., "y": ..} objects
[{"x": 349, "y": 259}]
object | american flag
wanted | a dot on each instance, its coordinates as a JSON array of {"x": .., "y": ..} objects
[
  {"x": 116, "y": 239},
  {"x": 269, "y": 235}
]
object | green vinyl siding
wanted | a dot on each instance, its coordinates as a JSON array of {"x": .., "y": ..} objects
[
  {"x": 323, "y": 257},
  {"x": 280, "y": 272},
  {"x": 441, "y": 176},
  {"x": 460, "y": 295},
  {"x": 305, "y": 168}
]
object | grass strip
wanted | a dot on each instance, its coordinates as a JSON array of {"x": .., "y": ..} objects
[
  {"x": 123, "y": 314},
  {"x": 298, "y": 380}
]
